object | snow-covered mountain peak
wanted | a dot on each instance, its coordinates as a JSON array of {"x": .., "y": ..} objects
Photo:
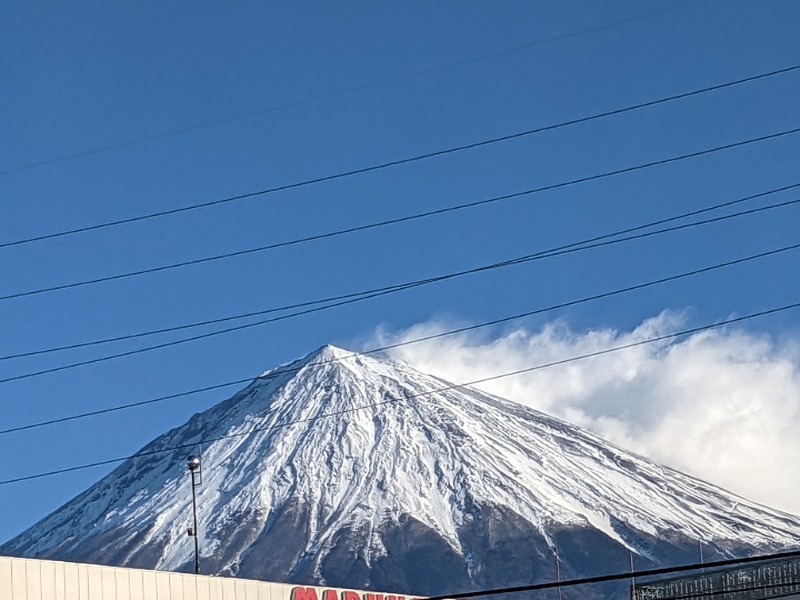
[
  {"x": 346, "y": 460},
  {"x": 326, "y": 361},
  {"x": 330, "y": 352}
]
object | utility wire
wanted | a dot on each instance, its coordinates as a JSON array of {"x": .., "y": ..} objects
[
  {"x": 378, "y": 292},
  {"x": 484, "y": 202},
  {"x": 112, "y": 409},
  {"x": 342, "y": 92},
  {"x": 288, "y": 370},
  {"x": 618, "y": 576},
  {"x": 399, "y": 162},
  {"x": 153, "y": 452},
  {"x": 280, "y": 309}
]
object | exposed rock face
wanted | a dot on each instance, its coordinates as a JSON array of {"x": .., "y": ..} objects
[{"x": 365, "y": 473}]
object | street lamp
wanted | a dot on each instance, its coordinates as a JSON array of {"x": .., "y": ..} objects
[{"x": 196, "y": 471}]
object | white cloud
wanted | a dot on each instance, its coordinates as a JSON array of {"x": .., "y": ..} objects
[{"x": 721, "y": 405}]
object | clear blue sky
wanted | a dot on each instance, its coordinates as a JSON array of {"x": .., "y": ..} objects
[{"x": 354, "y": 84}]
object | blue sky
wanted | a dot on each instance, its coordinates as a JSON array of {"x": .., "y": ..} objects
[{"x": 330, "y": 87}]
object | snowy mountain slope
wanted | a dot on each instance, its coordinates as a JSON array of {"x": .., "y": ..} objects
[{"x": 363, "y": 472}]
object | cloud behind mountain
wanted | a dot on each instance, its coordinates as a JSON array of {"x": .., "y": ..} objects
[{"x": 721, "y": 405}]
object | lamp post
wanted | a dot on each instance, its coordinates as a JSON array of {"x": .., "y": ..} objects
[{"x": 195, "y": 469}]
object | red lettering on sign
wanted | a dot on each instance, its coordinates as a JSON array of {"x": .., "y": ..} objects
[
  {"x": 301, "y": 593},
  {"x": 350, "y": 596},
  {"x": 373, "y": 596}
]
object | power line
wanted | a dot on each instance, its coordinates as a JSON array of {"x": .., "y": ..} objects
[
  {"x": 398, "y": 162},
  {"x": 282, "y": 371},
  {"x": 294, "y": 306},
  {"x": 112, "y": 409},
  {"x": 617, "y": 576},
  {"x": 162, "y": 268},
  {"x": 334, "y": 94},
  {"x": 378, "y": 292},
  {"x": 406, "y": 397}
]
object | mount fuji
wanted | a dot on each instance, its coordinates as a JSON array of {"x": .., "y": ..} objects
[{"x": 362, "y": 472}]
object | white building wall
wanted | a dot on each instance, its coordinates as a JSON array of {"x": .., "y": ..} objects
[{"x": 28, "y": 579}]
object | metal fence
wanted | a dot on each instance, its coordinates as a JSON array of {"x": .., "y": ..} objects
[{"x": 768, "y": 579}]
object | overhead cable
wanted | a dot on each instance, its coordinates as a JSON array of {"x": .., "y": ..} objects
[
  {"x": 494, "y": 322},
  {"x": 197, "y": 261},
  {"x": 262, "y": 312},
  {"x": 378, "y": 292},
  {"x": 146, "y": 453},
  {"x": 397, "y": 162},
  {"x": 342, "y": 92}
]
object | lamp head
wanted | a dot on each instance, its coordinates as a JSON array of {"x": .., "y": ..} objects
[{"x": 193, "y": 464}]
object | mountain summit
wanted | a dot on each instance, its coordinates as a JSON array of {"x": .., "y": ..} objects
[{"x": 360, "y": 471}]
